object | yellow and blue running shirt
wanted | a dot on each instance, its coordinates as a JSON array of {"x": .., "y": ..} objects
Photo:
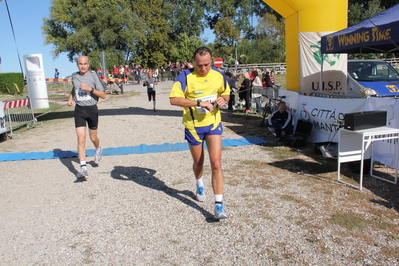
[{"x": 191, "y": 86}]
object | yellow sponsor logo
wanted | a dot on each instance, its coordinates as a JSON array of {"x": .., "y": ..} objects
[
  {"x": 392, "y": 88},
  {"x": 373, "y": 35}
]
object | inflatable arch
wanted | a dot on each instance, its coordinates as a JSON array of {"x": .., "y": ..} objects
[{"x": 307, "y": 16}]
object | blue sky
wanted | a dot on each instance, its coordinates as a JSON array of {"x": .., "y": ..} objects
[{"x": 27, "y": 18}]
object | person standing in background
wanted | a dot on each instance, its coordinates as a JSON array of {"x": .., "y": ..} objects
[{"x": 56, "y": 74}]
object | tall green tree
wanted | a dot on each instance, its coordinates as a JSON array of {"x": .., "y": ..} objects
[
  {"x": 184, "y": 47},
  {"x": 151, "y": 50},
  {"x": 186, "y": 16},
  {"x": 361, "y": 11},
  {"x": 226, "y": 37},
  {"x": 87, "y": 27},
  {"x": 239, "y": 11}
]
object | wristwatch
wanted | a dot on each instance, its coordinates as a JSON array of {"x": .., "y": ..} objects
[
  {"x": 92, "y": 89},
  {"x": 199, "y": 102}
]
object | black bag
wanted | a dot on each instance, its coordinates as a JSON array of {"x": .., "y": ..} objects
[{"x": 301, "y": 135}]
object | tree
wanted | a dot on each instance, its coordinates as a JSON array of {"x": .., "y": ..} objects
[
  {"x": 86, "y": 27},
  {"x": 239, "y": 11},
  {"x": 361, "y": 11},
  {"x": 185, "y": 16},
  {"x": 226, "y": 36},
  {"x": 184, "y": 47},
  {"x": 152, "y": 50}
]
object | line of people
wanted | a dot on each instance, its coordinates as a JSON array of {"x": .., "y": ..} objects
[{"x": 244, "y": 89}]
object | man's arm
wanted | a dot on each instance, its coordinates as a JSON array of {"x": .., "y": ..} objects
[
  {"x": 70, "y": 99},
  {"x": 183, "y": 102}
]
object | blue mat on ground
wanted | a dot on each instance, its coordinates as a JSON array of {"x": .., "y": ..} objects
[{"x": 143, "y": 148}]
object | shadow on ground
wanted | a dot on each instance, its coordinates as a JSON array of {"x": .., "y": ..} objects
[{"x": 146, "y": 177}]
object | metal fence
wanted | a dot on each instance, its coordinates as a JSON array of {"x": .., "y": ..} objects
[{"x": 18, "y": 113}]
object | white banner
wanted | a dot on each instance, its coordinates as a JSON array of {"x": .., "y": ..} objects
[
  {"x": 384, "y": 150},
  {"x": 2, "y": 118},
  {"x": 332, "y": 72},
  {"x": 325, "y": 113}
]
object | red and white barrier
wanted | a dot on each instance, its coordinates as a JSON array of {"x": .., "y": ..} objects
[
  {"x": 16, "y": 113},
  {"x": 16, "y": 103}
]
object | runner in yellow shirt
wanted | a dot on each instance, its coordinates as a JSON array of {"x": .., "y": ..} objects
[{"x": 201, "y": 91}]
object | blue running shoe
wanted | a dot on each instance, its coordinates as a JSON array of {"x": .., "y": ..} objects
[
  {"x": 219, "y": 211},
  {"x": 200, "y": 194}
]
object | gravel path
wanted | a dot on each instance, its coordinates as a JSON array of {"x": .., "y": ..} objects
[{"x": 139, "y": 209}]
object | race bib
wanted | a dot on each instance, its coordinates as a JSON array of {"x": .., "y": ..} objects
[
  {"x": 151, "y": 86},
  {"x": 82, "y": 95},
  {"x": 210, "y": 98}
]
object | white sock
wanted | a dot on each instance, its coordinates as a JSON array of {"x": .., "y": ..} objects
[
  {"x": 82, "y": 163},
  {"x": 200, "y": 182},
  {"x": 153, "y": 103},
  {"x": 98, "y": 149},
  {"x": 218, "y": 197}
]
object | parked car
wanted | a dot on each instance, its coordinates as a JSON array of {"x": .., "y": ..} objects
[{"x": 372, "y": 78}]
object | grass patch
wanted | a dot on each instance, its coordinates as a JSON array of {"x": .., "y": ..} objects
[{"x": 349, "y": 221}]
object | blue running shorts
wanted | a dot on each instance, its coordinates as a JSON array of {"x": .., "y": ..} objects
[{"x": 197, "y": 135}]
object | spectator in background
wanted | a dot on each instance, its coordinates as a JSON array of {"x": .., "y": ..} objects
[
  {"x": 265, "y": 77},
  {"x": 170, "y": 69},
  {"x": 115, "y": 72},
  {"x": 121, "y": 72},
  {"x": 280, "y": 121},
  {"x": 245, "y": 91},
  {"x": 56, "y": 74},
  {"x": 126, "y": 74},
  {"x": 271, "y": 81},
  {"x": 156, "y": 74},
  {"x": 233, "y": 89},
  {"x": 162, "y": 73},
  {"x": 258, "y": 84}
]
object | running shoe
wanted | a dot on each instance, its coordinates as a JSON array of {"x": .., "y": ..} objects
[
  {"x": 83, "y": 172},
  {"x": 219, "y": 211},
  {"x": 98, "y": 155},
  {"x": 200, "y": 194}
]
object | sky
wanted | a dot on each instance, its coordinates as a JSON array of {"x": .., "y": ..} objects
[{"x": 27, "y": 19}]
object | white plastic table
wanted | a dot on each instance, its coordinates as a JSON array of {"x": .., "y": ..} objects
[{"x": 356, "y": 145}]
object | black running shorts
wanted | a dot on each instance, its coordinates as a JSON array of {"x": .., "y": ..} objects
[
  {"x": 87, "y": 114},
  {"x": 151, "y": 94}
]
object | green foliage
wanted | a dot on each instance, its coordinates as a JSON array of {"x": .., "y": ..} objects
[
  {"x": 226, "y": 36},
  {"x": 152, "y": 50},
  {"x": 360, "y": 11},
  {"x": 184, "y": 47},
  {"x": 81, "y": 27},
  {"x": 7, "y": 80},
  {"x": 153, "y": 32},
  {"x": 185, "y": 16}
]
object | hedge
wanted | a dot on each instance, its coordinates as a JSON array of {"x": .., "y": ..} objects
[{"x": 8, "y": 79}]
